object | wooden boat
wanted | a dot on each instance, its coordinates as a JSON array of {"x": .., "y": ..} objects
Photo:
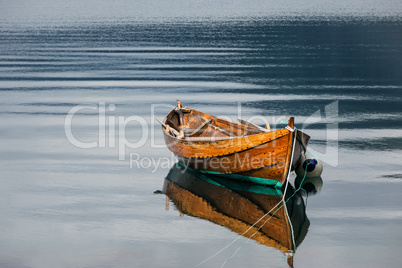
[
  {"x": 238, "y": 206},
  {"x": 242, "y": 150}
]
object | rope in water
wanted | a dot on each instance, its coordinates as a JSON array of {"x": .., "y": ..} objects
[{"x": 284, "y": 203}]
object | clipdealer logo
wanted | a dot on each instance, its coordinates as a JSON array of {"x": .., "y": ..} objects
[{"x": 111, "y": 132}]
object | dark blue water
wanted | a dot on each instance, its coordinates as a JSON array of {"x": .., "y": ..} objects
[{"x": 66, "y": 206}]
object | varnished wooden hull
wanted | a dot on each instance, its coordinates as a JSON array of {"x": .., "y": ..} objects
[
  {"x": 229, "y": 148},
  {"x": 269, "y": 161}
]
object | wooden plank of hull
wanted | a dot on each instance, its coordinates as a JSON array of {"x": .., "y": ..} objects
[{"x": 272, "y": 172}]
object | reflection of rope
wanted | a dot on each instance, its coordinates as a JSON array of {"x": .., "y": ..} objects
[
  {"x": 248, "y": 239},
  {"x": 259, "y": 228},
  {"x": 240, "y": 235}
]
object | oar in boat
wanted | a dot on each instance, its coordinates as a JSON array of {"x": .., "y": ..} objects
[
  {"x": 244, "y": 122},
  {"x": 200, "y": 129},
  {"x": 174, "y": 131}
]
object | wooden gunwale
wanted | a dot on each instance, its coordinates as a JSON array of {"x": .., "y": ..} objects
[{"x": 216, "y": 146}]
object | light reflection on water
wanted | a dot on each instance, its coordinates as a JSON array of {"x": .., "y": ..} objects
[{"x": 65, "y": 206}]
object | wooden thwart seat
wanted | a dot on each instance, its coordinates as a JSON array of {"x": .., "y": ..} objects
[{"x": 200, "y": 129}]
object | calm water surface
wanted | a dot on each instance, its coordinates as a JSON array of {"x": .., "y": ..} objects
[{"x": 65, "y": 206}]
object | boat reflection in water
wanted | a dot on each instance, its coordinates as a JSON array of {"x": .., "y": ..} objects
[{"x": 238, "y": 206}]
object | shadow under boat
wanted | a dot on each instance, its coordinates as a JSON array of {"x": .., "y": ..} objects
[{"x": 254, "y": 211}]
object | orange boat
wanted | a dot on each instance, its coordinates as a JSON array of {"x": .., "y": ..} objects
[{"x": 242, "y": 150}]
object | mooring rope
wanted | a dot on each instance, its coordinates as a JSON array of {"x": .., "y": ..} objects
[{"x": 248, "y": 239}]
